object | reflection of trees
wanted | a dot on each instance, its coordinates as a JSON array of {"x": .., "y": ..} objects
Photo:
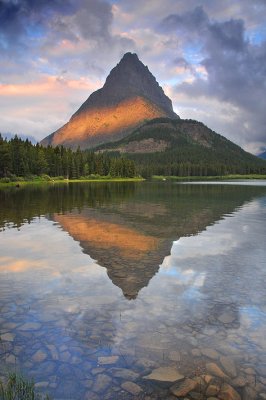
[{"x": 20, "y": 206}]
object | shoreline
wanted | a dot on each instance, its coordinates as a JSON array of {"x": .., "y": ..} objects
[
  {"x": 207, "y": 178},
  {"x": 21, "y": 183}
]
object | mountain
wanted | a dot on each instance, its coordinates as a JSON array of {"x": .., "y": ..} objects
[
  {"x": 130, "y": 96},
  {"x": 167, "y": 145},
  {"x": 262, "y": 155}
]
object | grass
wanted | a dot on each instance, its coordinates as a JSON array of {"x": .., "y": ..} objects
[
  {"x": 208, "y": 178},
  {"x": 40, "y": 180},
  {"x": 19, "y": 388}
]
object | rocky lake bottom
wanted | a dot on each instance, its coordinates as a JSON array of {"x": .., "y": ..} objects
[{"x": 170, "y": 305}]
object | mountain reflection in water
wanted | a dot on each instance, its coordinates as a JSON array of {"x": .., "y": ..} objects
[
  {"x": 190, "y": 257},
  {"x": 128, "y": 228}
]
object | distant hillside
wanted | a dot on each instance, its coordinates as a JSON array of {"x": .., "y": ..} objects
[
  {"x": 166, "y": 146},
  {"x": 262, "y": 155}
]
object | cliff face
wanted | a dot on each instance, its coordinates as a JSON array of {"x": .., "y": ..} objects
[{"x": 130, "y": 96}]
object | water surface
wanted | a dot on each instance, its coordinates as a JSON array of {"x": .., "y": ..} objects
[{"x": 102, "y": 284}]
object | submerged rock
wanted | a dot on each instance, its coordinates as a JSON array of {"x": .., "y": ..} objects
[
  {"x": 212, "y": 390},
  {"x": 239, "y": 381},
  {"x": 30, "y": 326},
  {"x": 229, "y": 366},
  {"x": 165, "y": 374},
  {"x": 39, "y": 356},
  {"x": 174, "y": 356},
  {"x": 101, "y": 383},
  {"x": 228, "y": 393},
  {"x": 107, "y": 360},
  {"x": 213, "y": 369},
  {"x": 7, "y": 337},
  {"x": 182, "y": 389},
  {"x": 124, "y": 373},
  {"x": 210, "y": 353},
  {"x": 131, "y": 388}
]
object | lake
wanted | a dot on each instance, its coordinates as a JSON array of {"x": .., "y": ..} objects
[{"x": 135, "y": 290}]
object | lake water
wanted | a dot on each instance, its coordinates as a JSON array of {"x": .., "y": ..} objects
[{"x": 135, "y": 290}]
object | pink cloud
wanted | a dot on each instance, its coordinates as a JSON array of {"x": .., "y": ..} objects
[{"x": 48, "y": 85}]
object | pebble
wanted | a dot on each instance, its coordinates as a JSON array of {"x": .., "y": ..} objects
[
  {"x": 96, "y": 371},
  {"x": 226, "y": 318},
  {"x": 30, "y": 326},
  {"x": 11, "y": 359},
  {"x": 39, "y": 356},
  {"x": 53, "y": 351},
  {"x": 240, "y": 381},
  {"x": 8, "y": 337},
  {"x": 107, "y": 360},
  {"x": 213, "y": 369},
  {"x": 101, "y": 383},
  {"x": 181, "y": 390},
  {"x": 250, "y": 371},
  {"x": 210, "y": 353},
  {"x": 207, "y": 378},
  {"x": 261, "y": 369},
  {"x": 196, "y": 352},
  {"x": 174, "y": 356},
  {"x": 144, "y": 363},
  {"x": 212, "y": 390},
  {"x": 228, "y": 366},
  {"x": 249, "y": 393},
  {"x": 228, "y": 393},
  {"x": 132, "y": 388},
  {"x": 43, "y": 384},
  {"x": 124, "y": 373}
]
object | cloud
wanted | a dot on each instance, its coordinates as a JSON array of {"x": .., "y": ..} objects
[
  {"x": 53, "y": 55},
  {"x": 36, "y": 112},
  {"x": 235, "y": 70}
]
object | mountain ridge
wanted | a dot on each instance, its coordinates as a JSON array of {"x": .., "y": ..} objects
[
  {"x": 165, "y": 145},
  {"x": 130, "y": 96}
]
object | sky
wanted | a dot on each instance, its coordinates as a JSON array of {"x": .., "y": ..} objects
[{"x": 209, "y": 56}]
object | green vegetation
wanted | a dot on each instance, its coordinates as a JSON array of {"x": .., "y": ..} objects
[
  {"x": 18, "y": 182},
  {"x": 18, "y": 388},
  {"x": 192, "y": 150},
  {"x": 21, "y": 159}
]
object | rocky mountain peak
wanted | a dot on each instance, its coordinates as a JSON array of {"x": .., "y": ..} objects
[
  {"x": 129, "y": 78},
  {"x": 130, "y": 96}
]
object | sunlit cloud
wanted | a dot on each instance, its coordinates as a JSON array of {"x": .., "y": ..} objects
[{"x": 59, "y": 85}]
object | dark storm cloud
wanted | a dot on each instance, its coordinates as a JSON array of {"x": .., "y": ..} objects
[
  {"x": 236, "y": 68},
  {"x": 37, "y": 29},
  {"x": 194, "y": 21},
  {"x": 15, "y": 16},
  {"x": 30, "y": 20}
]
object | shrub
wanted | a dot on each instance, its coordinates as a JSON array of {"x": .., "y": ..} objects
[
  {"x": 5, "y": 180},
  {"x": 18, "y": 388},
  {"x": 45, "y": 177}
]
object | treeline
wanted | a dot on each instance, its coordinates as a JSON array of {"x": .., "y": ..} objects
[
  {"x": 196, "y": 161},
  {"x": 19, "y": 158},
  {"x": 192, "y": 150}
]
